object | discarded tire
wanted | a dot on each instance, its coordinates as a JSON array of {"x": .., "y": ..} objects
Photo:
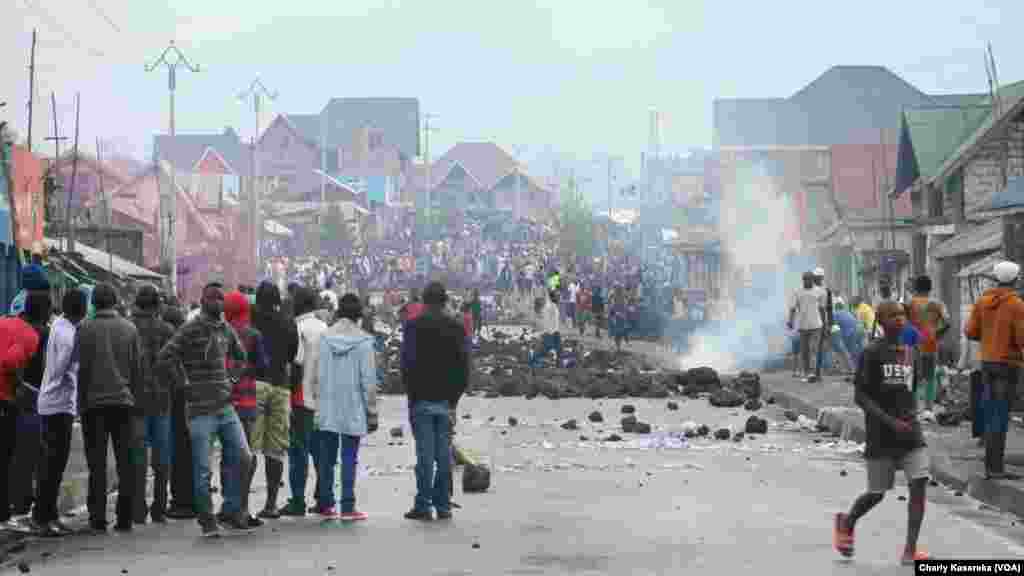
[{"x": 476, "y": 478}]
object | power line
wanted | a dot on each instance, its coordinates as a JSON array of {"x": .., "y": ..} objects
[
  {"x": 53, "y": 23},
  {"x": 103, "y": 14}
]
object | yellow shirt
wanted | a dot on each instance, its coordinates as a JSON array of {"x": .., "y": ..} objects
[{"x": 866, "y": 316}]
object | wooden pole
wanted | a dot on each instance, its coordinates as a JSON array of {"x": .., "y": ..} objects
[{"x": 68, "y": 216}]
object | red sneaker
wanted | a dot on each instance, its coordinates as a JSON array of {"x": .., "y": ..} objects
[
  {"x": 842, "y": 538},
  {"x": 909, "y": 559},
  {"x": 353, "y": 516},
  {"x": 328, "y": 513}
]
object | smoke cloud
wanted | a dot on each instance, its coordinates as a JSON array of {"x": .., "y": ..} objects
[{"x": 752, "y": 227}]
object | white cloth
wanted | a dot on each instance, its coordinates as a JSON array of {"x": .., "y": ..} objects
[
  {"x": 549, "y": 318},
  {"x": 310, "y": 329},
  {"x": 806, "y": 305},
  {"x": 59, "y": 392}
]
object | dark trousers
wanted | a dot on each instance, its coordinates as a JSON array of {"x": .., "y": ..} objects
[
  {"x": 301, "y": 448},
  {"x": 181, "y": 457},
  {"x": 998, "y": 389},
  {"x": 27, "y": 454},
  {"x": 8, "y": 433},
  {"x": 977, "y": 415},
  {"x": 116, "y": 424},
  {"x": 57, "y": 440}
]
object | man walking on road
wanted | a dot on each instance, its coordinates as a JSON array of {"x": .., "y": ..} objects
[
  {"x": 109, "y": 391},
  {"x": 202, "y": 348},
  {"x": 825, "y": 338},
  {"x": 930, "y": 319},
  {"x": 997, "y": 321},
  {"x": 807, "y": 318},
  {"x": 884, "y": 383},
  {"x": 435, "y": 370}
]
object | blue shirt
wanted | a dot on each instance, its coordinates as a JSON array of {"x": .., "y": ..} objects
[{"x": 849, "y": 327}]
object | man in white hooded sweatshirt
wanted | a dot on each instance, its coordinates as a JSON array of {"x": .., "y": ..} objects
[{"x": 347, "y": 404}]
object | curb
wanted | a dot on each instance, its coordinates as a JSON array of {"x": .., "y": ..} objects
[{"x": 1006, "y": 496}]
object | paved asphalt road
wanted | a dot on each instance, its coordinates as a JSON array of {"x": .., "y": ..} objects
[{"x": 560, "y": 505}]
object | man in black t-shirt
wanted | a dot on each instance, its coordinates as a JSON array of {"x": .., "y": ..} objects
[{"x": 885, "y": 382}]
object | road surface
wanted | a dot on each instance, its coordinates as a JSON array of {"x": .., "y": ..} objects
[{"x": 562, "y": 505}]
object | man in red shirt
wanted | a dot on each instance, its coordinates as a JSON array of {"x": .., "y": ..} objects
[{"x": 18, "y": 343}]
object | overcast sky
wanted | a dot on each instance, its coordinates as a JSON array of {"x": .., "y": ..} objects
[{"x": 577, "y": 75}]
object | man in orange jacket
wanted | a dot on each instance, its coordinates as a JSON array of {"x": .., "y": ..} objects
[
  {"x": 997, "y": 321},
  {"x": 18, "y": 343}
]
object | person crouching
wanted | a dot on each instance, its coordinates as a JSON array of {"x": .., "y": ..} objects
[{"x": 347, "y": 373}]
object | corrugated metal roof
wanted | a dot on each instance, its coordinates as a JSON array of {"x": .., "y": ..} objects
[
  {"x": 106, "y": 261},
  {"x": 982, "y": 267},
  {"x": 982, "y": 238},
  {"x": 1010, "y": 197},
  {"x": 937, "y": 132},
  {"x": 184, "y": 150}
]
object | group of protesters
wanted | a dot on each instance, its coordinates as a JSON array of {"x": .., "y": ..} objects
[{"x": 290, "y": 376}]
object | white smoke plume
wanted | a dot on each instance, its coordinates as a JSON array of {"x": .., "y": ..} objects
[{"x": 752, "y": 227}]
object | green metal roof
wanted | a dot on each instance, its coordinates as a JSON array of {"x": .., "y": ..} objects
[{"x": 936, "y": 133}]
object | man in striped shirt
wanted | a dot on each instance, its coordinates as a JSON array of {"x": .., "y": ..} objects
[{"x": 202, "y": 348}]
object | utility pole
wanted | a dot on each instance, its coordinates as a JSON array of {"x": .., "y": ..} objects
[
  {"x": 68, "y": 216},
  {"x": 427, "y": 129},
  {"x": 258, "y": 91},
  {"x": 31, "y": 87},
  {"x": 172, "y": 69},
  {"x": 108, "y": 215},
  {"x": 56, "y": 138}
]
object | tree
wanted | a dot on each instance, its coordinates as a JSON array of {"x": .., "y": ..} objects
[{"x": 576, "y": 227}]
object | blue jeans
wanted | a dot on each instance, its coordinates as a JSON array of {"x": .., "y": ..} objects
[
  {"x": 158, "y": 438},
  {"x": 430, "y": 430},
  {"x": 235, "y": 453},
  {"x": 328, "y": 442},
  {"x": 301, "y": 446}
]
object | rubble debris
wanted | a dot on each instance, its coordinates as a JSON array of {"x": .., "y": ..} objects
[
  {"x": 748, "y": 384},
  {"x": 672, "y": 406},
  {"x": 950, "y": 418},
  {"x": 642, "y": 428},
  {"x": 467, "y": 416},
  {"x": 613, "y": 438},
  {"x": 23, "y": 567},
  {"x": 570, "y": 424},
  {"x": 756, "y": 425},
  {"x": 722, "y": 434},
  {"x": 595, "y": 417},
  {"x": 476, "y": 478},
  {"x": 513, "y": 421},
  {"x": 737, "y": 437},
  {"x": 689, "y": 429},
  {"x": 753, "y": 405},
  {"x": 843, "y": 473},
  {"x": 703, "y": 430},
  {"x": 628, "y": 423},
  {"x": 476, "y": 545},
  {"x": 491, "y": 419},
  {"x": 791, "y": 415},
  {"x": 584, "y": 438},
  {"x": 396, "y": 432},
  {"x": 770, "y": 400},
  {"x": 628, "y": 409},
  {"x": 726, "y": 398}
]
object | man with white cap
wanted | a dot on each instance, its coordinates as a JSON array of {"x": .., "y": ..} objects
[
  {"x": 997, "y": 321},
  {"x": 826, "y": 306}
]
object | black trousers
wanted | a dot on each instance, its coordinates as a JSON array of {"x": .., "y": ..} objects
[
  {"x": 181, "y": 459},
  {"x": 57, "y": 442},
  {"x": 998, "y": 392},
  {"x": 116, "y": 424},
  {"x": 8, "y": 433},
  {"x": 28, "y": 452}
]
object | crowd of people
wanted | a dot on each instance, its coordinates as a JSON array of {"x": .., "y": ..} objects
[
  {"x": 893, "y": 352},
  {"x": 287, "y": 376}
]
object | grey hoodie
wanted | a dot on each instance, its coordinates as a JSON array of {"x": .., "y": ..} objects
[{"x": 348, "y": 380}]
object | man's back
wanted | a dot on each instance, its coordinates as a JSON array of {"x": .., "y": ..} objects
[
  {"x": 434, "y": 359},
  {"x": 929, "y": 316},
  {"x": 109, "y": 361},
  {"x": 997, "y": 321},
  {"x": 808, "y": 315}
]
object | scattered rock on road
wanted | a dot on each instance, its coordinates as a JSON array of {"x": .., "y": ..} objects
[
  {"x": 737, "y": 437},
  {"x": 791, "y": 415},
  {"x": 570, "y": 425},
  {"x": 396, "y": 432},
  {"x": 770, "y": 400},
  {"x": 753, "y": 405},
  {"x": 628, "y": 409},
  {"x": 613, "y": 438},
  {"x": 672, "y": 406},
  {"x": 722, "y": 434},
  {"x": 595, "y": 416},
  {"x": 642, "y": 428},
  {"x": 703, "y": 430},
  {"x": 513, "y": 421},
  {"x": 726, "y": 398},
  {"x": 628, "y": 423},
  {"x": 756, "y": 425},
  {"x": 701, "y": 381}
]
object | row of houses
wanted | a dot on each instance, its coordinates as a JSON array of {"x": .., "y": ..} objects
[{"x": 885, "y": 181}]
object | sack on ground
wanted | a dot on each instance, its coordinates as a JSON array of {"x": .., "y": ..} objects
[{"x": 476, "y": 478}]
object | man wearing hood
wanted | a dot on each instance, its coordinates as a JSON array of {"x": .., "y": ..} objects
[
  {"x": 997, "y": 321},
  {"x": 202, "y": 348},
  {"x": 243, "y": 393},
  {"x": 155, "y": 402},
  {"x": 273, "y": 392},
  {"x": 305, "y": 391},
  {"x": 347, "y": 375}
]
